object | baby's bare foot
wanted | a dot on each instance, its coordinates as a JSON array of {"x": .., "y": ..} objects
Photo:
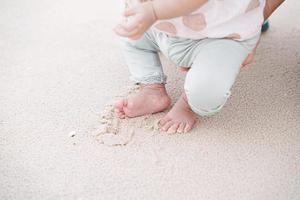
[
  {"x": 150, "y": 99},
  {"x": 180, "y": 118}
]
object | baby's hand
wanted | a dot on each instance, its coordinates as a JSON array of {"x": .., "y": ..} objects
[{"x": 139, "y": 19}]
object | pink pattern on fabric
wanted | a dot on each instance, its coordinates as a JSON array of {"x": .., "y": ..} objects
[
  {"x": 167, "y": 27},
  {"x": 196, "y": 22}
]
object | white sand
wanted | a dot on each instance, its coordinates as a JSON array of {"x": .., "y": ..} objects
[{"x": 60, "y": 64}]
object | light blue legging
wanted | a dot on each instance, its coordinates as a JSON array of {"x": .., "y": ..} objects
[{"x": 215, "y": 64}]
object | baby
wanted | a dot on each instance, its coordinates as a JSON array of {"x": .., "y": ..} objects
[{"x": 209, "y": 39}]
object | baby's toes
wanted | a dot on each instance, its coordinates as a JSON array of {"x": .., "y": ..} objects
[
  {"x": 188, "y": 127},
  {"x": 163, "y": 121},
  {"x": 119, "y": 108},
  {"x": 120, "y": 114},
  {"x": 167, "y": 125},
  {"x": 181, "y": 127},
  {"x": 119, "y": 105},
  {"x": 173, "y": 128}
]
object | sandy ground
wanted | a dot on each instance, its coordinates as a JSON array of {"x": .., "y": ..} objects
[{"x": 61, "y": 65}]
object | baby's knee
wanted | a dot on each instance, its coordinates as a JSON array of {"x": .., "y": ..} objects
[{"x": 206, "y": 97}]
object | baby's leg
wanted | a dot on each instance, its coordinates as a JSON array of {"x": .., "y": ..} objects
[
  {"x": 208, "y": 83},
  {"x": 145, "y": 68}
]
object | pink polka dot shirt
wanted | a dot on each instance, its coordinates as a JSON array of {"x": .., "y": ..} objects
[{"x": 236, "y": 19}]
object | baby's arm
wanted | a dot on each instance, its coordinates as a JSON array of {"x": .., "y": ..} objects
[
  {"x": 144, "y": 15},
  {"x": 271, "y": 6}
]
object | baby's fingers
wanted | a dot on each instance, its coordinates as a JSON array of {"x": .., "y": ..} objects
[
  {"x": 121, "y": 31},
  {"x": 129, "y": 12},
  {"x": 131, "y": 24}
]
